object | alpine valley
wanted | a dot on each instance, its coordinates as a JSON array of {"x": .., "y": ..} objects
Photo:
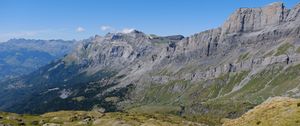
[
  {"x": 22, "y": 56},
  {"x": 132, "y": 78}
]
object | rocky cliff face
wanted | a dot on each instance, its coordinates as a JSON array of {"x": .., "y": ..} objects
[
  {"x": 217, "y": 73},
  {"x": 253, "y": 19}
]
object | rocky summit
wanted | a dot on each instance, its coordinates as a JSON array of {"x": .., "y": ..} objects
[{"x": 210, "y": 76}]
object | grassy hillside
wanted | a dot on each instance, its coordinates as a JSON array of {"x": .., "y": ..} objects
[
  {"x": 278, "y": 111},
  {"x": 212, "y": 100},
  {"x": 93, "y": 118}
]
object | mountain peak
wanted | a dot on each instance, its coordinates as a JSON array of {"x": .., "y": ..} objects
[
  {"x": 276, "y": 4},
  {"x": 127, "y": 31},
  {"x": 125, "y": 34},
  {"x": 253, "y": 19}
]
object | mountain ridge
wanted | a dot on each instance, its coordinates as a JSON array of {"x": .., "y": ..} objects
[{"x": 217, "y": 73}]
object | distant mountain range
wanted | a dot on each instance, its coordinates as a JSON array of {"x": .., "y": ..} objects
[
  {"x": 22, "y": 56},
  {"x": 211, "y": 75}
]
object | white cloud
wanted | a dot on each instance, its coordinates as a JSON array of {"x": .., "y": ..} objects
[
  {"x": 127, "y": 30},
  {"x": 107, "y": 28},
  {"x": 80, "y": 29}
]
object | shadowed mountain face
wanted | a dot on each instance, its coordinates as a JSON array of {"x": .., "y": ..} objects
[
  {"x": 21, "y": 56},
  {"x": 210, "y": 75}
]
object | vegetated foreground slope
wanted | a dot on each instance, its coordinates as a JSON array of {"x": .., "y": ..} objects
[
  {"x": 93, "y": 118},
  {"x": 215, "y": 74},
  {"x": 278, "y": 111}
]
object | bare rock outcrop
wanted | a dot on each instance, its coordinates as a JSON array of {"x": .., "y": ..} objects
[{"x": 253, "y": 19}]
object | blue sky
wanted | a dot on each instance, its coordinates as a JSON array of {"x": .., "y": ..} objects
[{"x": 80, "y": 19}]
